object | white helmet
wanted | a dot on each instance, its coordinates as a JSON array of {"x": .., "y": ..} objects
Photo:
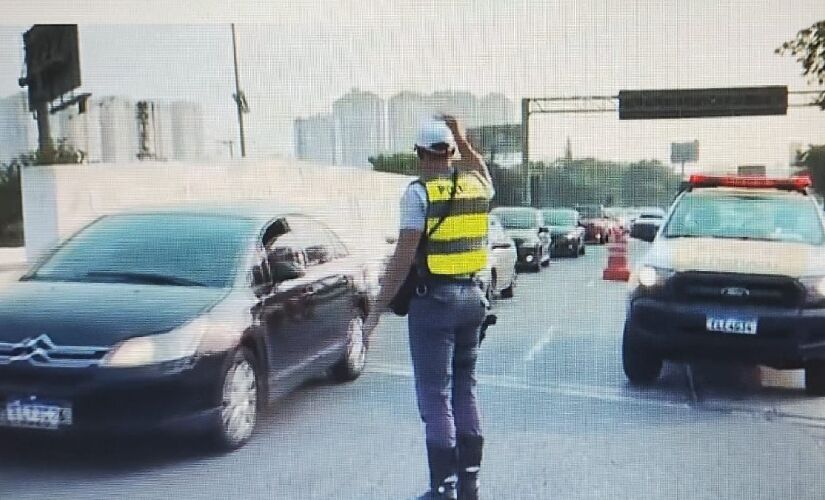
[{"x": 433, "y": 136}]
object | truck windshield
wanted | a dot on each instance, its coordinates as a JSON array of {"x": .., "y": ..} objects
[{"x": 789, "y": 218}]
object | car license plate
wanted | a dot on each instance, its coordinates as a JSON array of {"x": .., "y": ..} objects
[
  {"x": 732, "y": 325},
  {"x": 33, "y": 413}
]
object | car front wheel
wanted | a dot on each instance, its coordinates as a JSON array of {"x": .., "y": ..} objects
[
  {"x": 641, "y": 364},
  {"x": 507, "y": 293},
  {"x": 240, "y": 401},
  {"x": 352, "y": 363}
]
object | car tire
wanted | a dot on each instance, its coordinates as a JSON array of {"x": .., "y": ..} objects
[
  {"x": 490, "y": 291},
  {"x": 641, "y": 364},
  {"x": 544, "y": 258},
  {"x": 815, "y": 377},
  {"x": 241, "y": 399},
  {"x": 352, "y": 363},
  {"x": 582, "y": 248},
  {"x": 507, "y": 293}
]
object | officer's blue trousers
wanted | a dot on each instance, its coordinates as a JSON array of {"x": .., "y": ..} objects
[{"x": 444, "y": 327}]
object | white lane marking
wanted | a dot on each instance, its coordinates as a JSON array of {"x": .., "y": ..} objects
[
  {"x": 610, "y": 394},
  {"x": 619, "y": 395},
  {"x": 531, "y": 354},
  {"x": 591, "y": 283}
]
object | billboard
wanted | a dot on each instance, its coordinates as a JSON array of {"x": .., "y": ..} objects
[
  {"x": 751, "y": 170},
  {"x": 703, "y": 103},
  {"x": 496, "y": 138},
  {"x": 52, "y": 61},
  {"x": 684, "y": 152}
]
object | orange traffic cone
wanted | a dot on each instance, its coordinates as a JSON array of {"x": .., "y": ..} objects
[{"x": 617, "y": 269}]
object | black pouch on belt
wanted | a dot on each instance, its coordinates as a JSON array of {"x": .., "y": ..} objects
[{"x": 400, "y": 304}]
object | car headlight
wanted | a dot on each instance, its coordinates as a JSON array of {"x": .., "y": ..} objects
[
  {"x": 649, "y": 278},
  {"x": 177, "y": 344},
  {"x": 815, "y": 288},
  {"x": 572, "y": 235}
]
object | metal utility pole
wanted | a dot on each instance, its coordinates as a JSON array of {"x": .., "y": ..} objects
[
  {"x": 239, "y": 97},
  {"x": 231, "y": 145},
  {"x": 525, "y": 152},
  {"x": 45, "y": 143}
]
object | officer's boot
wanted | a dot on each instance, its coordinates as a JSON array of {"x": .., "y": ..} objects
[
  {"x": 442, "y": 473},
  {"x": 469, "y": 463}
]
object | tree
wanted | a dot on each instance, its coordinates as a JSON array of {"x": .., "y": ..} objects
[
  {"x": 813, "y": 160},
  {"x": 11, "y": 201},
  {"x": 809, "y": 49},
  {"x": 398, "y": 163}
]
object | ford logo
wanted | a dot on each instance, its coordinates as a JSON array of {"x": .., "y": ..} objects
[{"x": 735, "y": 292}]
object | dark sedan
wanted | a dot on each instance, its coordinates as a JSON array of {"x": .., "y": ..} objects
[
  {"x": 190, "y": 319},
  {"x": 647, "y": 224},
  {"x": 526, "y": 226},
  {"x": 566, "y": 235}
]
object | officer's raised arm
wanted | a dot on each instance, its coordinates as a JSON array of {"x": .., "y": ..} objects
[{"x": 471, "y": 160}]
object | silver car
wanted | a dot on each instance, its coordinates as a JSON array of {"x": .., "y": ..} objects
[{"x": 499, "y": 277}]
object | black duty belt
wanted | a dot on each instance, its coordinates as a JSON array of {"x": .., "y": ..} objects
[{"x": 448, "y": 279}]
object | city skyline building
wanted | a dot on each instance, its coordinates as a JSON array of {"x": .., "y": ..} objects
[
  {"x": 363, "y": 125},
  {"x": 110, "y": 130},
  {"x": 359, "y": 125},
  {"x": 315, "y": 139}
]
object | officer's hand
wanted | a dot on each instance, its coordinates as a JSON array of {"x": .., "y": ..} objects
[
  {"x": 452, "y": 122},
  {"x": 370, "y": 323}
]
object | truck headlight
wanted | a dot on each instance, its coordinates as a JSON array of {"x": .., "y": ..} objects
[
  {"x": 649, "y": 278},
  {"x": 177, "y": 344},
  {"x": 815, "y": 289}
]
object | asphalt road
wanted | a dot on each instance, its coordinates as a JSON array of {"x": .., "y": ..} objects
[{"x": 560, "y": 420}]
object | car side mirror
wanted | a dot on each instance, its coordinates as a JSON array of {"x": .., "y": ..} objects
[
  {"x": 284, "y": 271},
  {"x": 261, "y": 284},
  {"x": 643, "y": 235}
]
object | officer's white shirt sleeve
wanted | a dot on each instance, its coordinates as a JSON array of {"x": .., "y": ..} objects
[{"x": 413, "y": 207}]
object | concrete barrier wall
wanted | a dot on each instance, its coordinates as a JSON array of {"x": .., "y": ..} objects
[{"x": 361, "y": 205}]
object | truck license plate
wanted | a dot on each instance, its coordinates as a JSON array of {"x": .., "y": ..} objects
[{"x": 732, "y": 325}]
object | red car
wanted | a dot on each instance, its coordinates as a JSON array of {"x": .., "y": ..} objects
[{"x": 598, "y": 227}]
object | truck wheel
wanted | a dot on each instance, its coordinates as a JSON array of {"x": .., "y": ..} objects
[
  {"x": 641, "y": 364},
  {"x": 815, "y": 377}
]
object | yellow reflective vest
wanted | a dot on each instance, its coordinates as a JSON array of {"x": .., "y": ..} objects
[{"x": 458, "y": 246}]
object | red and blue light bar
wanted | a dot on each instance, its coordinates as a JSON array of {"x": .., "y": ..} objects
[{"x": 796, "y": 183}]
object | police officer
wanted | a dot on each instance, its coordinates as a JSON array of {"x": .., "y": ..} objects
[{"x": 443, "y": 233}]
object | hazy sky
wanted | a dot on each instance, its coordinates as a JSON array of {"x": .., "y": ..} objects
[{"x": 298, "y": 56}]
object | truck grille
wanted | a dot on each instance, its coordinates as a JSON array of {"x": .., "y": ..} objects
[{"x": 743, "y": 289}]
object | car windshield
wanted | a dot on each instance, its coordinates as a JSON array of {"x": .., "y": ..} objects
[
  {"x": 517, "y": 218},
  {"x": 162, "y": 249},
  {"x": 746, "y": 216},
  {"x": 560, "y": 217}
]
